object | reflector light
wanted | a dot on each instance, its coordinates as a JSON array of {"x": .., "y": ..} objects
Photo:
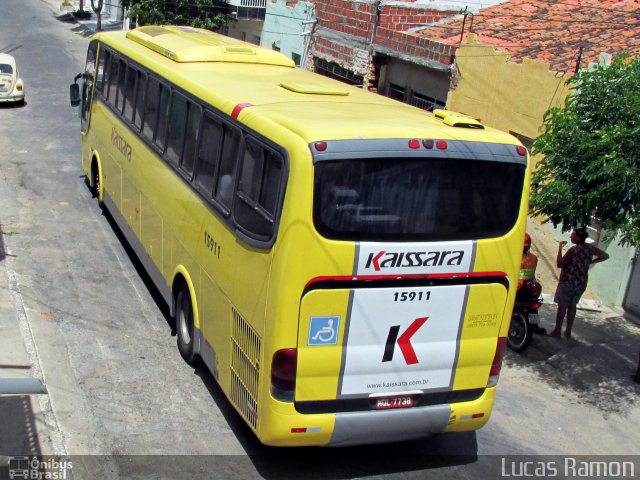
[
  {"x": 298, "y": 430},
  {"x": 414, "y": 143},
  {"x": 283, "y": 369},
  {"x": 321, "y": 146},
  {"x": 496, "y": 365},
  {"x": 521, "y": 150},
  {"x": 477, "y": 415},
  {"x": 427, "y": 143},
  {"x": 441, "y": 145},
  {"x": 238, "y": 108}
]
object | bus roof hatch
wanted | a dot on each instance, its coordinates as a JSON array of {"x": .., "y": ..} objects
[
  {"x": 455, "y": 119},
  {"x": 188, "y": 44}
]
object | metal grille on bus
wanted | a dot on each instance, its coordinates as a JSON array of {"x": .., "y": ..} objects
[{"x": 245, "y": 368}]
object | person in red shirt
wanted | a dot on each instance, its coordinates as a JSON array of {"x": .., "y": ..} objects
[{"x": 573, "y": 277}]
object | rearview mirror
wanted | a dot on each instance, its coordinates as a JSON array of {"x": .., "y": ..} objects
[{"x": 74, "y": 94}]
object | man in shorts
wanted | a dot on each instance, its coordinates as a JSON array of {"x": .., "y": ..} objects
[{"x": 573, "y": 277}]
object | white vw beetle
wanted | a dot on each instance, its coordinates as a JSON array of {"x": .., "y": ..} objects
[{"x": 11, "y": 85}]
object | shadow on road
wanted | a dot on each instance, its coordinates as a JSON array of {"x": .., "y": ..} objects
[
  {"x": 438, "y": 451},
  {"x": 18, "y": 433},
  {"x": 595, "y": 365}
]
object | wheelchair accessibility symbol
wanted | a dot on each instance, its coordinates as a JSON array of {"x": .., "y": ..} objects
[{"x": 323, "y": 330}]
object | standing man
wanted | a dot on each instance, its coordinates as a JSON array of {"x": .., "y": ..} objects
[{"x": 573, "y": 277}]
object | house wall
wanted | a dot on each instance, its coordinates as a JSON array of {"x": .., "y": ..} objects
[
  {"x": 283, "y": 27},
  {"x": 432, "y": 83},
  {"x": 348, "y": 35},
  {"x": 247, "y": 30},
  {"x": 514, "y": 98},
  {"x": 610, "y": 278},
  {"x": 509, "y": 96}
]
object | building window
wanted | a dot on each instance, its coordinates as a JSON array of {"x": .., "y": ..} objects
[
  {"x": 425, "y": 103},
  {"x": 333, "y": 70},
  {"x": 296, "y": 58},
  {"x": 396, "y": 92}
]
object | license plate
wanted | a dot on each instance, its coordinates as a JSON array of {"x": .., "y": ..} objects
[{"x": 401, "y": 401}]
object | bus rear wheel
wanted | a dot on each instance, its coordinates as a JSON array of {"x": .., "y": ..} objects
[
  {"x": 95, "y": 182},
  {"x": 185, "y": 329}
]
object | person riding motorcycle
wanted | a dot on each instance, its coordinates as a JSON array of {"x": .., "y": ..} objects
[{"x": 528, "y": 264}]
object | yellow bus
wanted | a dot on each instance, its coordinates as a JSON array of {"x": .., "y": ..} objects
[{"x": 343, "y": 263}]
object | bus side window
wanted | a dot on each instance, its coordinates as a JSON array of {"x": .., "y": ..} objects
[
  {"x": 130, "y": 92},
  {"x": 208, "y": 157},
  {"x": 177, "y": 124},
  {"x": 103, "y": 70},
  {"x": 141, "y": 87},
  {"x": 151, "y": 108},
  {"x": 191, "y": 137},
  {"x": 258, "y": 189},
  {"x": 112, "y": 86},
  {"x": 163, "y": 116},
  {"x": 228, "y": 160},
  {"x": 117, "y": 80}
]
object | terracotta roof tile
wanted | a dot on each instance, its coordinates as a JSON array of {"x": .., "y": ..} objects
[{"x": 550, "y": 31}]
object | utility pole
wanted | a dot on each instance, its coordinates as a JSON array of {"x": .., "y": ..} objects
[
  {"x": 464, "y": 22},
  {"x": 577, "y": 69},
  {"x": 374, "y": 29},
  {"x": 309, "y": 34}
]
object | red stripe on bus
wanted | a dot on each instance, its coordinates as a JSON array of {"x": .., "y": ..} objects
[
  {"x": 238, "y": 108},
  {"x": 439, "y": 276}
]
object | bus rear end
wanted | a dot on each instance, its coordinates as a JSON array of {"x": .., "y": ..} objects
[{"x": 408, "y": 293}]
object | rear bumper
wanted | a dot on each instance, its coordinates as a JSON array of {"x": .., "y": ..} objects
[
  {"x": 372, "y": 426},
  {"x": 361, "y": 428},
  {"x": 16, "y": 97}
]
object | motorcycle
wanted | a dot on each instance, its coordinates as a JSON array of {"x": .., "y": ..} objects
[{"x": 524, "y": 319}]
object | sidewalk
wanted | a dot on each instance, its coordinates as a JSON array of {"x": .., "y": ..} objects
[
  {"x": 24, "y": 406},
  {"x": 85, "y": 27}
]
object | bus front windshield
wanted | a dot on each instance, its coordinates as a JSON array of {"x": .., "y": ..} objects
[{"x": 398, "y": 199}]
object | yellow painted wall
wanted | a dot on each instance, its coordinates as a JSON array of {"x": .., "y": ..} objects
[{"x": 512, "y": 97}]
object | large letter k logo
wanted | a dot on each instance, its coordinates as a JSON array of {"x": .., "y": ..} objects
[{"x": 404, "y": 342}]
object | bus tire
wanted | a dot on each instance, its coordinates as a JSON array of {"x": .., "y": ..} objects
[
  {"x": 520, "y": 332},
  {"x": 185, "y": 329},
  {"x": 95, "y": 182}
]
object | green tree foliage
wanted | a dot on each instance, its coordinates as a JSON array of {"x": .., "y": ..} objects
[
  {"x": 591, "y": 153},
  {"x": 209, "y": 14}
]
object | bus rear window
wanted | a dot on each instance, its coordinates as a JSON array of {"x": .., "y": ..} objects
[{"x": 395, "y": 199}]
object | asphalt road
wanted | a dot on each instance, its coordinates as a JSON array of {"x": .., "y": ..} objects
[{"x": 118, "y": 386}]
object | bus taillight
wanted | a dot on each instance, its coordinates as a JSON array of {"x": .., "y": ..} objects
[
  {"x": 521, "y": 150},
  {"x": 441, "y": 144},
  {"x": 283, "y": 374},
  {"x": 496, "y": 365}
]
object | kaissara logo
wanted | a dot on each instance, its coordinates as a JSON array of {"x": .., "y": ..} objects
[
  {"x": 436, "y": 258},
  {"x": 403, "y": 341}
]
